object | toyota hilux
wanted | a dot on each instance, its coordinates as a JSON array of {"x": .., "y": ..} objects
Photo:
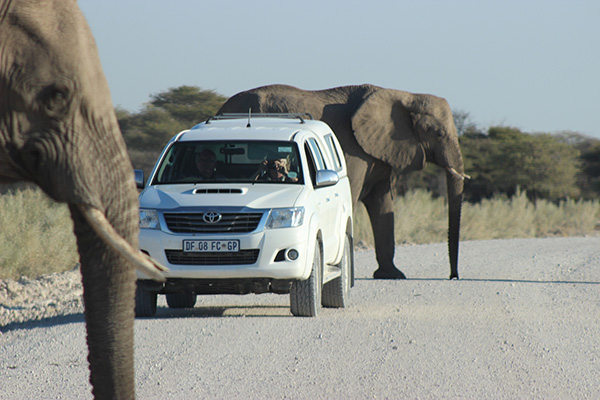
[{"x": 249, "y": 204}]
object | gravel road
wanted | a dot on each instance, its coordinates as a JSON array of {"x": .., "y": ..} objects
[{"x": 522, "y": 322}]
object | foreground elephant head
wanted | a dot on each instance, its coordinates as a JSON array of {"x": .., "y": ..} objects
[
  {"x": 58, "y": 130},
  {"x": 379, "y": 130}
]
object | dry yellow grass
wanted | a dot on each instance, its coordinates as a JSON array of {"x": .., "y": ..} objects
[
  {"x": 420, "y": 218},
  {"x": 36, "y": 236}
]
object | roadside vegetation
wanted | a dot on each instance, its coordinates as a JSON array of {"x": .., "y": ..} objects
[
  {"x": 522, "y": 185},
  {"x": 36, "y": 236},
  {"x": 422, "y": 218},
  {"x": 37, "y": 233}
]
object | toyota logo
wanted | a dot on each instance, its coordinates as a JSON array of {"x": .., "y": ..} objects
[{"x": 212, "y": 217}]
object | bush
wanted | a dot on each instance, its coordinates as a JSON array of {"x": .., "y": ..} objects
[{"x": 507, "y": 159}]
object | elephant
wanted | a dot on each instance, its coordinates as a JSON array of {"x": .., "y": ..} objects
[
  {"x": 58, "y": 130},
  {"x": 380, "y": 130}
]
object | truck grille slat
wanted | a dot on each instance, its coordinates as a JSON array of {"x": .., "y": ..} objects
[
  {"x": 229, "y": 223},
  {"x": 242, "y": 257}
]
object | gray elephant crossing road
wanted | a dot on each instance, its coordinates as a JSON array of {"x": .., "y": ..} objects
[
  {"x": 521, "y": 323},
  {"x": 380, "y": 130}
]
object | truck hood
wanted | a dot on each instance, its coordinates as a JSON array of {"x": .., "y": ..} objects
[{"x": 256, "y": 196}]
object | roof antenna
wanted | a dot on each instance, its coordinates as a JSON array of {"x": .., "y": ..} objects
[{"x": 249, "y": 113}]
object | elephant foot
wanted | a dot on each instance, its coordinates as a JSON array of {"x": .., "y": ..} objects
[{"x": 388, "y": 274}]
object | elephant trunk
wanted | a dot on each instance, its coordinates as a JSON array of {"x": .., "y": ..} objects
[
  {"x": 108, "y": 293},
  {"x": 104, "y": 209},
  {"x": 455, "y": 181}
]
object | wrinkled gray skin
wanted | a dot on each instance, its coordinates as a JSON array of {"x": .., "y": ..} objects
[
  {"x": 379, "y": 130},
  {"x": 58, "y": 130}
]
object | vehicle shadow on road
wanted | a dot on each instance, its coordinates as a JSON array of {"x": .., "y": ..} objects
[
  {"x": 44, "y": 322},
  {"x": 225, "y": 311}
]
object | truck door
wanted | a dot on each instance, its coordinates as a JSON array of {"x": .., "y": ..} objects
[{"x": 328, "y": 202}]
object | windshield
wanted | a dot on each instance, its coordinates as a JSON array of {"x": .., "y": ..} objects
[{"x": 231, "y": 162}]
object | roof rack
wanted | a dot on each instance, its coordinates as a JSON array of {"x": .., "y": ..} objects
[{"x": 224, "y": 116}]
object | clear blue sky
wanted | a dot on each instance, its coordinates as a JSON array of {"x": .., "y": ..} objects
[{"x": 534, "y": 65}]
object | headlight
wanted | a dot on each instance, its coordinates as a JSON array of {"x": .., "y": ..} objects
[
  {"x": 149, "y": 219},
  {"x": 285, "y": 218}
]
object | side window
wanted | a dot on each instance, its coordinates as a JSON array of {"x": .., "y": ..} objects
[
  {"x": 310, "y": 161},
  {"x": 317, "y": 155},
  {"x": 334, "y": 153}
]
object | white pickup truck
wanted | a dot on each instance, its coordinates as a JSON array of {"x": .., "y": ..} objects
[{"x": 252, "y": 204}]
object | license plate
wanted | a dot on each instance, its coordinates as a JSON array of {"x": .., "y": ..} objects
[{"x": 211, "y": 246}]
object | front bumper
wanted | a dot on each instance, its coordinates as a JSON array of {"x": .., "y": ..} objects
[{"x": 271, "y": 245}]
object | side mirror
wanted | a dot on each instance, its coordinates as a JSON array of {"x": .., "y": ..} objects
[
  {"x": 326, "y": 177},
  {"x": 139, "y": 178}
]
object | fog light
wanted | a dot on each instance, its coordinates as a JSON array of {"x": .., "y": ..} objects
[{"x": 292, "y": 254}]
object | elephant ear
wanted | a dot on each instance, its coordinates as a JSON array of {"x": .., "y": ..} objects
[{"x": 383, "y": 126}]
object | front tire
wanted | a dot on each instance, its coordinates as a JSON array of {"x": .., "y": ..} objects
[
  {"x": 305, "y": 296},
  {"x": 181, "y": 300},
  {"x": 145, "y": 302},
  {"x": 335, "y": 292}
]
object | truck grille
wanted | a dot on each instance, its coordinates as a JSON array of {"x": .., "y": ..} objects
[
  {"x": 242, "y": 257},
  {"x": 229, "y": 223}
]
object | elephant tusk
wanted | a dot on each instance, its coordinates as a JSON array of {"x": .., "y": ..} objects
[
  {"x": 107, "y": 233},
  {"x": 457, "y": 174}
]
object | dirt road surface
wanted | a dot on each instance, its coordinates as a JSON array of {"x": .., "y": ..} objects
[{"x": 522, "y": 322}]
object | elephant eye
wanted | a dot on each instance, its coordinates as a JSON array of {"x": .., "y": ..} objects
[
  {"x": 442, "y": 133},
  {"x": 55, "y": 99}
]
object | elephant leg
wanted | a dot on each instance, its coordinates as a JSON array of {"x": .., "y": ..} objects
[{"x": 380, "y": 208}]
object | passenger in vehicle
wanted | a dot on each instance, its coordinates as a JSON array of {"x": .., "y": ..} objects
[
  {"x": 276, "y": 170},
  {"x": 206, "y": 163}
]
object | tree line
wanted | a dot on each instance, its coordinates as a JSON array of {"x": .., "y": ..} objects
[{"x": 499, "y": 159}]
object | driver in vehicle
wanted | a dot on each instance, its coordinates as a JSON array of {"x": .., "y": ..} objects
[{"x": 206, "y": 164}]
